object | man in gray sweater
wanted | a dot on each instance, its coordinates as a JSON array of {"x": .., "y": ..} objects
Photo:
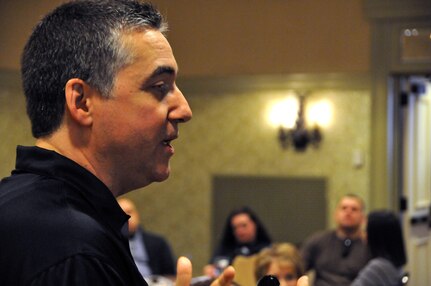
[{"x": 337, "y": 256}]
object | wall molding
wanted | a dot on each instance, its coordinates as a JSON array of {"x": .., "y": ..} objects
[
  {"x": 387, "y": 18},
  {"x": 309, "y": 82},
  {"x": 218, "y": 85},
  {"x": 392, "y": 9}
]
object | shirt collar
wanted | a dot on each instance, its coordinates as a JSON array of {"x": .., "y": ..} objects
[{"x": 49, "y": 163}]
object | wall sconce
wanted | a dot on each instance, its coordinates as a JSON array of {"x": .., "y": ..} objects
[{"x": 296, "y": 133}]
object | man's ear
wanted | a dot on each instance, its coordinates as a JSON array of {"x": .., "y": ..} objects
[{"x": 78, "y": 101}]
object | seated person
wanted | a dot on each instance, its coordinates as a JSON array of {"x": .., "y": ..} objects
[
  {"x": 388, "y": 256},
  {"x": 151, "y": 252},
  {"x": 281, "y": 260},
  {"x": 336, "y": 256},
  {"x": 243, "y": 234}
]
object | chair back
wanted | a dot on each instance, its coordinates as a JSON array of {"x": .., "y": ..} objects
[{"x": 244, "y": 270}]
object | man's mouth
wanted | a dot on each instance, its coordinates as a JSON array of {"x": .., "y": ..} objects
[
  {"x": 167, "y": 143},
  {"x": 169, "y": 139}
]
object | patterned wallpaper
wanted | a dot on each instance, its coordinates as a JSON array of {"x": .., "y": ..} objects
[
  {"x": 14, "y": 126},
  {"x": 227, "y": 135}
]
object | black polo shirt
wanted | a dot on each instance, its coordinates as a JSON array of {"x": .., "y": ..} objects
[{"x": 60, "y": 225}]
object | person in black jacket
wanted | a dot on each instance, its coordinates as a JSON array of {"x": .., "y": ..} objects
[
  {"x": 151, "y": 252},
  {"x": 99, "y": 78}
]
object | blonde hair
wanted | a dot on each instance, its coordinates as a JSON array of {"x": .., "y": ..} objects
[{"x": 284, "y": 253}]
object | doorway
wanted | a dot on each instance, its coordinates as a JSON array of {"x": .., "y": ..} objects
[
  {"x": 401, "y": 128},
  {"x": 414, "y": 191}
]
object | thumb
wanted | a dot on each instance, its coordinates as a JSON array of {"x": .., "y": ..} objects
[
  {"x": 184, "y": 272},
  {"x": 303, "y": 281},
  {"x": 226, "y": 278}
]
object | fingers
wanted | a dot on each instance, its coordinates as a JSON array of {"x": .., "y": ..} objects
[
  {"x": 226, "y": 278},
  {"x": 184, "y": 272},
  {"x": 303, "y": 281}
]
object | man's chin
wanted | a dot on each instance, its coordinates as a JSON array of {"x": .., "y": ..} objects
[
  {"x": 155, "y": 177},
  {"x": 162, "y": 175}
]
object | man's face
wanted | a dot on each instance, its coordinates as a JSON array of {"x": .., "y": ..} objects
[
  {"x": 349, "y": 214},
  {"x": 244, "y": 228},
  {"x": 133, "y": 130}
]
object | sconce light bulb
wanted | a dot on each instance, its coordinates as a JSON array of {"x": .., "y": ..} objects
[
  {"x": 284, "y": 113},
  {"x": 320, "y": 113}
]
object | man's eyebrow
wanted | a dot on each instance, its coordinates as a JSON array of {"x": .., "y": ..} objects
[{"x": 162, "y": 70}]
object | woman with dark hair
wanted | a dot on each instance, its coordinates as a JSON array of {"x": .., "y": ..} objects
[
  {"x": 386, "y": 243},
  {"x": 243, "y": 234}
]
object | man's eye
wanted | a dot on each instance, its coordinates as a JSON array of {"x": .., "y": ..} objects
[{"x": 162, "y": 88}]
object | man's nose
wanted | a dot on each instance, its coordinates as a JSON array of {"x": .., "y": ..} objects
[{"x": 181, "y": 111}]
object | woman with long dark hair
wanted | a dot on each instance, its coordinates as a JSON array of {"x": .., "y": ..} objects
[
  {"x": 243, "y": 234},
  {"x": 386, "y": 243}
]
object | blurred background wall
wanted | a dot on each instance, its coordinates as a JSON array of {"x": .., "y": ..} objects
[{"x": 235, "y": 58}]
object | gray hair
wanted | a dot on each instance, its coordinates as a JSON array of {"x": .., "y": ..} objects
[{"x": 79, "y": 39}]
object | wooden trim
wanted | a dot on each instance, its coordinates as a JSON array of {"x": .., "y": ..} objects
[
  {"x": 387, "y": 18},
  {"x": 391, "y": 9},
  {"x": 307, "y": 82}
]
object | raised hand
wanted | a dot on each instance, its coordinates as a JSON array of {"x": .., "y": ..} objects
[{"x": 184, "y": 274}]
